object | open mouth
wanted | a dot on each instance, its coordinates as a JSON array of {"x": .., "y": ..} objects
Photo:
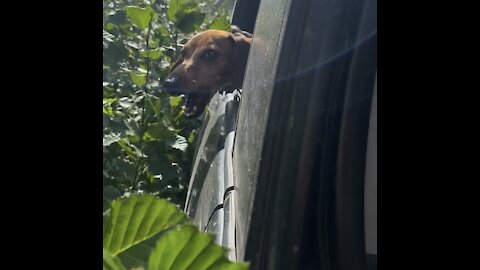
[{"x": 194, "y": 104}]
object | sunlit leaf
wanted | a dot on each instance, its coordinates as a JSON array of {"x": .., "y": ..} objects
[
  {"x": 175, "y": 101},
  {"x": 134, "y": 45},
  {"x": 130, "y": 149},
  {"x": 179, "y": 142},
  {"x": 110, "y": 26},
  {"x": 184, "y": 247},
  {"x": 141, "y": 17},
  {"x": 191, "y": 137},
  {"x": 137, "y": 218},
  {"x": 173, "y": 7},
  {"x": 111, "y": 138},
  {"x": 107, "y": 36},
  {"x": 108, "y": 111},
  {"x": 221, "y": 23},
  {"x": 108, "y": 101},
  {"x": 152, "y": 54},
  {"x": 111, "y": 263},
  {"x": 138, "y": 78},
  {"x": 125, "y": 102}
]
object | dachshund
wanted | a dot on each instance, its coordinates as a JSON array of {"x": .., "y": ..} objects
[{"x": 212, "y": 61}]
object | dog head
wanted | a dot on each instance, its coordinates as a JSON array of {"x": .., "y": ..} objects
[{"x": 211, "y": 61}]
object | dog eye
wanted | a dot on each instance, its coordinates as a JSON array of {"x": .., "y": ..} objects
[{"x": 210, "y": 55}]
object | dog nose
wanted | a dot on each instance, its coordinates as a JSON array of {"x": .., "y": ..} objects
[
  {"x": 172, "y": 85},
  {"x": 171, "y": 82}
]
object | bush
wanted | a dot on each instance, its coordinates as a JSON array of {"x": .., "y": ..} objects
[{"x": 147, "y": 142}]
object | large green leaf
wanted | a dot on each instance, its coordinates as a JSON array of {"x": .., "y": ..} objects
[
  {"x": 110, "y": 262},
  {"x": 189, "y": 19},
  {"x": 138, "y": 78},
  {"x": 158, "y": 131},
  {"x": 185, "y": 248},
  {"x": 137, "y": 218},
  {"x": 141, "y": 17},
  {"x": 173, "y": 7},
  {"x": 137, "y": 256},
  {"x": 221, "y": 23},
  {"x": 186, "y": 15}
]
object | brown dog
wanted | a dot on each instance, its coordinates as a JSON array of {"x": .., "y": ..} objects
[{"x": 211, "y": 61}]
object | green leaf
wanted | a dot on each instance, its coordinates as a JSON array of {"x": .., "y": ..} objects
[
  {"x": 153, "y": 43},
  {"x": 141, "y": 17},
  {"x": 191, "y": 137},
  {"x": 131, "y": 150},
  {"x": 155, "y": 54},
  {"x": 106, "y": 215},
  {"x": 124, "y": 170},
  {"x": 173, "y": 7},
  {"x": 125, "y": 102},
  {"x": 108, "y": 101},
  {"x": 152, "y": 109},
  {"x": 179, "y": 143},
  {"x": 189, "y": 20},
  {"x": 118, "y": 18},
  {"x": 152, "y": 54},
  {"x": 107, "y": 90},
  {"x": 114, "y": 54},
  {"x": 134, "y": 45},
  {"x": 110, "y": 138},
  {"x": 107, "y": 36},
  {"x": 153, "y": 105},
  {"x": 110, "y": 262},
  {"x": 138, "y": 78},
  {"x": 136, "y": 219},
  {"x": 142, "y": 69},
  {"x": 175, "y": 101},
  {"x": 110, "y": 26},
  {"x": 221, "y": 23},
  {"x": 184, "y": 247},
  {"x": 133, "y": 128},
  {"x": 164, "y": 31},
  {"x": 158, "y": 131},
  {"x": 137, "y": 256},
  {"x": 108, "y": 111}
]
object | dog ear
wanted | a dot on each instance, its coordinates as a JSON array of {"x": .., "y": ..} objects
[
  {"x": 236, "y": 30},
  {"x": 238, "y": 62}
]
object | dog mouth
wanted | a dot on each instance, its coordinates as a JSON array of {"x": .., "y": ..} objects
[{"x": 194, "y": 104}]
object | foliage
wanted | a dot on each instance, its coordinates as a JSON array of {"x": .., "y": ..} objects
[
  {"x": 147, "y": 142},
  {"x": 145, "y": 232}
]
